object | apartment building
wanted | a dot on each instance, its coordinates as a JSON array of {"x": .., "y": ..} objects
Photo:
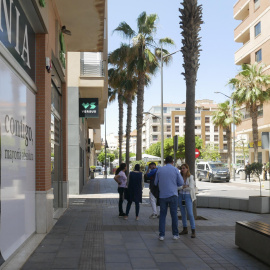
[
  {"x": 253, "y": 32},
  {"x": 175, "y": 122}
]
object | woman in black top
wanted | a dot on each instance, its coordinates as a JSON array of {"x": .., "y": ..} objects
[{"x": 135, "y": 187}]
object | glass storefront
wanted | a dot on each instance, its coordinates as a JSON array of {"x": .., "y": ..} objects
[{"x": 56, "y": 145}]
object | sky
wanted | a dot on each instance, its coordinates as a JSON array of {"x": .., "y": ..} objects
[{"x": 216, "y": 59}]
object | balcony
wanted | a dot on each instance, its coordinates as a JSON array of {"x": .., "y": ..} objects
[
  {"x": 92, "y": 68},
  {"x": 242, "y": 56},
  {"x": 241, "y": 10},
  {"x": 242, "y": 35}
]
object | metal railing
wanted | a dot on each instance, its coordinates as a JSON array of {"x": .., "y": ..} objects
[{"x": 92, "y": 68}]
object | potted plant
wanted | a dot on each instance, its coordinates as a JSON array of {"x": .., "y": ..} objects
[
  {"x": 92, "y": 172},
  {"x": 257, "y": 204}
]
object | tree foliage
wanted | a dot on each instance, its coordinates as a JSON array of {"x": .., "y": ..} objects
[
  {"x": 155, "y": 149},
  {"x": 210, "y": 152},
  {"x": 101, "y": 156}
]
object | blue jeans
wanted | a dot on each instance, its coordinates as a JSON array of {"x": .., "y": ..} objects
[
  {"x": 187, "y": 208},
  {"x": 164, "y": 204}
]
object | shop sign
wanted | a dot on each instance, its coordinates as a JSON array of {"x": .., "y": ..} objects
[
  {"x": 88, "y": 107},
  {"x": 17, "y": 162},
  {"x": 17, "y": 35},
  {"x": 251, "y": 144}
]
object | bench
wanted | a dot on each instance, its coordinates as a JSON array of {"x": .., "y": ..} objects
[{"x": 254, "y": 238}]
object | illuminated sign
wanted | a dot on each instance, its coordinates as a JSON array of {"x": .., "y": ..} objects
[{"x": 88, "y": 107}]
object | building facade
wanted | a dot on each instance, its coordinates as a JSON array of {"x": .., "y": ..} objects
[
  {"x": 253, "y": 32},
  {"x": 175, "y": 122},
  {"x": 34, "y": 39}
]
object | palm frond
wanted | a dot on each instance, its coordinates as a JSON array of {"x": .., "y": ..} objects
[{"x": 125, "y": 30}]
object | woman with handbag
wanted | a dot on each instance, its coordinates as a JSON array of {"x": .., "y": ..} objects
[
  {"x": 135, "y": 187},
  {"x": 121, "y": 178},
  {"x": 186, "y": 197}
]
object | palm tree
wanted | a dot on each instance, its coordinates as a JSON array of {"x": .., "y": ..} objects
[
  {"x": 141, "y": 60},
  {"x": 114, "y": 76},
  {"x": 191, "y": 20},
  {"x": 251, "y": 90},
  {"x": 223, "y": 118}
]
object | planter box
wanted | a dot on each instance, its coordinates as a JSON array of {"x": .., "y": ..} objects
[
  {"x": 259, "y": 204},
  {"x": 92, "y": 175}
]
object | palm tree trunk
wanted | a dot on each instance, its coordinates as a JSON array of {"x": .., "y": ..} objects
[
  {"x": 254, "y": 117},
  {"x": 140, "y": 101},
  {"x": 229, "y": 145},
  {"x": 190, "y": 123},
  {"x": 120, "y": 131},
  {"x": 128, "y": 129}
]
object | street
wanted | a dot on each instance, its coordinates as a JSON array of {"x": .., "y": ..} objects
[{"x": 239, "y": 188}]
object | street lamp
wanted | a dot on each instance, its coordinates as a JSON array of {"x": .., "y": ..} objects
[
  {"x": 233, "y": 132},
  {"x": 162, "y": 117}
]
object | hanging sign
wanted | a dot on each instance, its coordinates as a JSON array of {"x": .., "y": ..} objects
[{"x": 88, "y": 107}]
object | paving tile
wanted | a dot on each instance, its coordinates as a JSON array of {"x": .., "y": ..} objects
[
  {"x": 164, "y": 258},
  {"x": 143, "y": 263},
  {"x": 118, "y": 266},
  {"x": 116, "y": 258},
  {"x": 171, "y": 266},
  {"x": 136, "y": 253}
]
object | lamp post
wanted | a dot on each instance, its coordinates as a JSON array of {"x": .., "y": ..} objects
[
  {"x": 162, "y": 117},
  {"x": 233, "y": 132}
]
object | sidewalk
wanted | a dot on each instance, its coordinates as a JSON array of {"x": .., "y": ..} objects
[{"x": 90, "y": 235}]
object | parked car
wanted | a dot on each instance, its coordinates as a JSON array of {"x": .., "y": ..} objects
[
  {"x": 212, "y": 171},
  {"x": 99, "y": 169}
]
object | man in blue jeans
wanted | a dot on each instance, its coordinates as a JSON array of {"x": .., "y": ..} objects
[{"x": 168, "y": 178}]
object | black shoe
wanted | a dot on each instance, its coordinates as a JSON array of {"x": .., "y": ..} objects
[{"x": 121, "y": 215}]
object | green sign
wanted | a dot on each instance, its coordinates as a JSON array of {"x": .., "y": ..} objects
[{"x": 88, "y": 107}]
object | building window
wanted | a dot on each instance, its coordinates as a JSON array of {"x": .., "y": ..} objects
[
  {"x": 207, "y": 138},
  {"x": 225, "y": 147},
  {"x": 168, "y": 119},
  {"x": 155, "y": 119},
  {"x": 197, "y": 118},
  {"x": 155, "y": 129},
  {"x": 207, "y": 128},
  {"x": 257, "y": 29},
  {"x": 216, "y": 138},
  {"x": 216, "y": 129},
  {"x": 176, "y": 128},
  {"x": 155, "y": 138},
  {"x": 168, "y": 136},
  {"x": 207, "y": 119},
  {"x": 258, "y": 56},
  {"x": 224, "y": 138},
  {"x": 168, "y": 128},
  {"x": 177, "y": 119},
  {"x": 256, "y": 4},
  {"x": 165, "y": 110}
]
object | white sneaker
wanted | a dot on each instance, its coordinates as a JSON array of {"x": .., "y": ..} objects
[
  {"x": 176, "y": 237},
  {"x": 153, "y": 216},
  {"x": 161, "y": 238}
]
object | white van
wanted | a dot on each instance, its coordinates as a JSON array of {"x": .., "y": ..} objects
[{"x": 212, "y": 171}]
